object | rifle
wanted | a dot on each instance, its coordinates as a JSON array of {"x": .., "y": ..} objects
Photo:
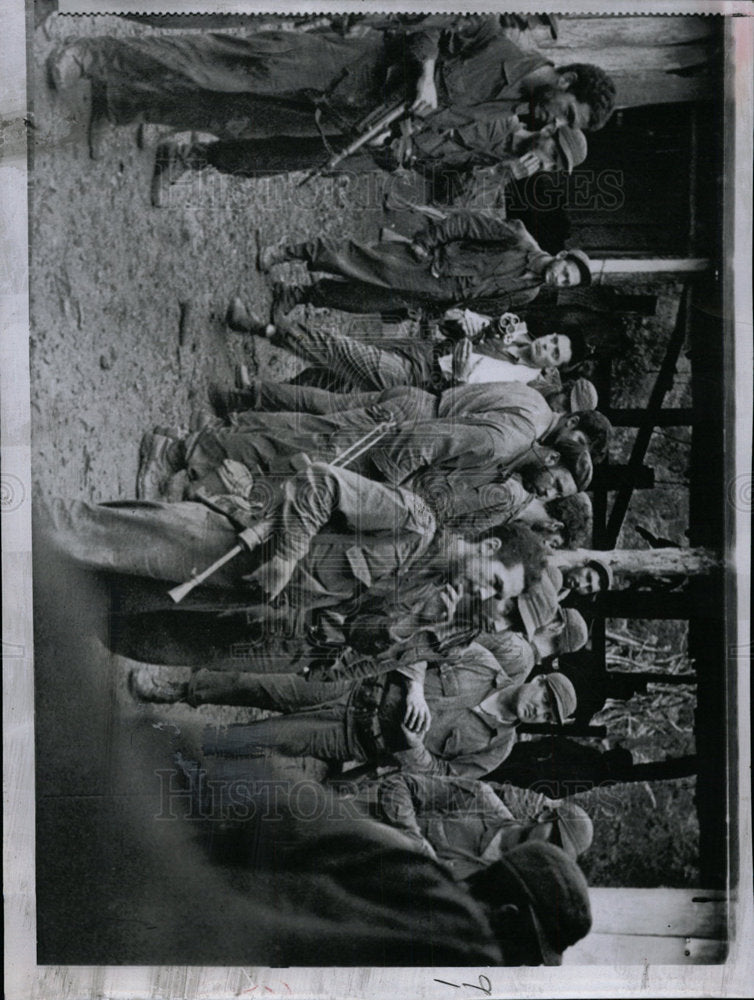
[
  {"x": 367, "y": 130},
  {"x": 251, "y": 537}
]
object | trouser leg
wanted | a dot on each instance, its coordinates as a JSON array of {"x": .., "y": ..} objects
[
  {"x": 359, "y": 297},
  {"x": 276, "y": 692},
  {"x": 321, "y": 733},
  {"x": 285, "y": 397},
  {"x": 197, "y": 639},
  {"x": 388, "y": 266},
  {"x": 162, "y": 541},
  {"x": 260, "y": 157},
  {"x": 355, "y": 365}
]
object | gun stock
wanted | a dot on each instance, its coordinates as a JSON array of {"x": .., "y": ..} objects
[
  {"x": 179, "y": 592},
  {"x": 259, "y": 533},
  {"x": 182, "y": 590}
]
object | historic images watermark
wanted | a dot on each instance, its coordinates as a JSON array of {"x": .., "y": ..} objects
[
  {"x": 583, "y": 190},
  {"x": 188, "y": 792}
]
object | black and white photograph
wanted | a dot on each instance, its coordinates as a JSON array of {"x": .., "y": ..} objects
[{"x": 377, "y": 496}]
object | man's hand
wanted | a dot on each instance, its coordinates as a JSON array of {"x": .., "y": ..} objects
[
  {"x": 525, "y": 166},
  {"x": 420, "y": 252},
  {"x": 379, "y": 413},
  {"x": 273, "y": 576},
  {"x": 236, "y": 477},
  {"x": 473, "y": 323},
  {"x": 426, "y": 91},
  {"x": 461, "y": 359},
  {"x": 450, "y": 596},
  {"x": 417, "y": 717}
]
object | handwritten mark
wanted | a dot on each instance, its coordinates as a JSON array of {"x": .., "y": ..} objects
[{"x": 484, "y": 985}]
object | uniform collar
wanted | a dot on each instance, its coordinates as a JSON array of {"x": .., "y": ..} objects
[{"x": 488, "y": 708}]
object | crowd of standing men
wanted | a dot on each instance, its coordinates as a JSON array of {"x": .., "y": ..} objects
[{"x": 396, "y": 510}]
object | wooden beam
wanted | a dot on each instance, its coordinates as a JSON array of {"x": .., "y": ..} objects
[
  {"x": 633, "y": 59},
  {"x": 648, "y": 604},
  {"x": 657, "y": 87},
  {"x": 657, "y": 926},
  {"x": 569, "y": 729},
  {"x": 560, "y": 768},
  {"x": 623, "y": 684},
  {"x": 632, "y": 268},
  {"x": 598, "y": 33},
  {"x": 614, "y": 477},
  {"x": 681, "y": 416}
]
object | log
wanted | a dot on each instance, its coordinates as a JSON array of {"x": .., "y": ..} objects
[{"x": 670, "y": 562}]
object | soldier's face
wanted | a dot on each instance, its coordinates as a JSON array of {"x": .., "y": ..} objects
[
  {"x": 533, "y": 702},
  {"x": 555, "y": 105},
  {"x": 568, "y": 432},
  {"x": 551, "y": 351},
  {"x": 549, "y": 484},
  {"x": 583, "y": 580},
  {"x": 562, "y": 273},
  {"x": 552, "y": 535},
  {"x": 487, "y": 576}
]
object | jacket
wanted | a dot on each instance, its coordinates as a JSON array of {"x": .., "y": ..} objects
[
  {"x": 491, "y": 257},
  {"x": 463, "y": 821},
  {"x": 460, "y": 739},
  {"x": 462, "y": 140}
]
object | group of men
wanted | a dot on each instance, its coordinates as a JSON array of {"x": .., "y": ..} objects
[{"x": 395, "y": 512}]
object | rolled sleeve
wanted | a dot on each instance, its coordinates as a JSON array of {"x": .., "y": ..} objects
[
  {"x": 471, "y": 765},
  {"x": 455, "y": 445},
  {"x": 314, "y": 495}
]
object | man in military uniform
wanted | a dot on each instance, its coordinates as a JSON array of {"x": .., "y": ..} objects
[
  {"x": 456, "y": 715},
  {"x": 467, "y": 259},
  {"x": 464, "y": 822}
]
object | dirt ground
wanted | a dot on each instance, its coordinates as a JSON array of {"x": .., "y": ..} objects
[
  {"x": 128, "y": 305},
  {"x": 128, "y": 332}
]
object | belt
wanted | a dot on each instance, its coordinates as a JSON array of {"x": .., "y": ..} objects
[{"x": 376, "y": 708}]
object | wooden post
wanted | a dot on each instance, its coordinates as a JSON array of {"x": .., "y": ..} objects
[
  {"x": 643, "y": 562},
  {"x": 634, "y": 417},
  {"x": 613, "y": 477},
  {"x": 637, "y": 268}
]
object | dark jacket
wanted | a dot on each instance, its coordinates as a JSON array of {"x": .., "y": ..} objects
[{"x": 492, "y": 257}]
